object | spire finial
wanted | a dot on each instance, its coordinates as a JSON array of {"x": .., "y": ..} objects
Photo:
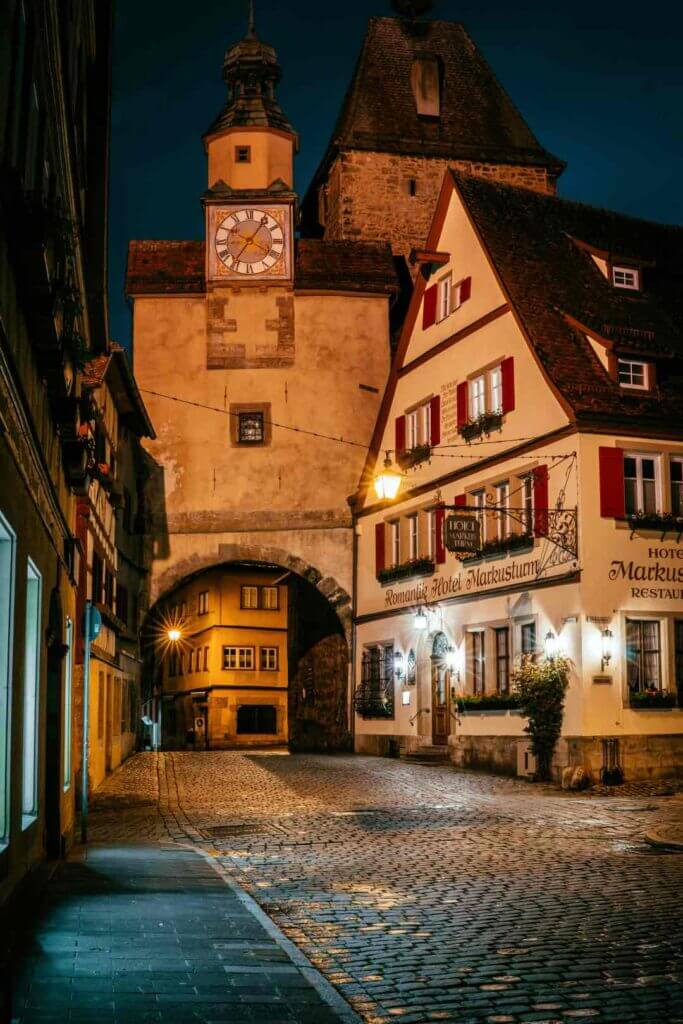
[{"x": 250, "y": 30}]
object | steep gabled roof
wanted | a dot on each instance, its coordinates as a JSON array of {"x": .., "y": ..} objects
[
  {"x": 176, "y": 268},
  {"x": 538, "y": 245},
  {"x": 115, "y": 369},
  {"x": 478, "y": 120}
]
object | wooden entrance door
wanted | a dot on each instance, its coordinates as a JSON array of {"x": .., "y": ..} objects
[{"x": 440, "y": 703}]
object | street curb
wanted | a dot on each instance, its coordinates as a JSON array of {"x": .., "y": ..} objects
[
  {"x": 323, "y": 987},
  {"x": 665, "y": 838}
]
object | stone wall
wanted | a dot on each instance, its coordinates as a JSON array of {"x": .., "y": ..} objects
[
  {"x": 368, "y": 195},
  {"x": 318, "y": 718},
  {"x": 641, "y": 757},
  {"x": 496, "y": 754}
]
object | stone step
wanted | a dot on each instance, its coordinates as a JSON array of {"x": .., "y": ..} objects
[{"x": 427, "y": 755}]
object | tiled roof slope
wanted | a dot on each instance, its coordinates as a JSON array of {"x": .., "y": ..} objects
[
  {"x": 478, "y": 119},
  {"x": 160, "y": 267},
  {"x": 537, "y": 244}
]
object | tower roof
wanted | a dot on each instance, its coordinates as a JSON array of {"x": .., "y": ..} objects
[
  {"x": 477, "y": 120},
  {"x": 251, "y": 73}
]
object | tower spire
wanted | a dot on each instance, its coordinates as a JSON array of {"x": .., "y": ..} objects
[{"x": 251, "y": 32}]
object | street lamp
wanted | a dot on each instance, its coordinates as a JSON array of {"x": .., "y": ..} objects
[
  {"x": 552, "y": 645},
  {"x": 174, "y": 635},
  {"x": 420, "y": 620},
  {"x": 388, "y": 481}
]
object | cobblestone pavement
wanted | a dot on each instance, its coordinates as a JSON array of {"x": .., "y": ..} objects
[{"x": 428, "y": 894}]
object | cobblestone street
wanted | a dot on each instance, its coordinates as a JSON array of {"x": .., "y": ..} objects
[{"x": 423, "y": 893}]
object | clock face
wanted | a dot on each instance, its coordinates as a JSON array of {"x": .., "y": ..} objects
[{"x": 249, "y": 242}]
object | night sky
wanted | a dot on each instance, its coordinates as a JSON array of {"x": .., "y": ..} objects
[{"x": 600, "y": 84}]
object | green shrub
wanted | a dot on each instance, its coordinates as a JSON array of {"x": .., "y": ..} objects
[{"x": 541, "y": 687}]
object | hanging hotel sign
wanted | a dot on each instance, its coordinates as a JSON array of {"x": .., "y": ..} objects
[{"x": 462, "y": 533}]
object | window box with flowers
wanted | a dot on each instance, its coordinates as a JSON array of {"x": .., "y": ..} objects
[
  {"x": 660, "y": 700},
  {"x": 664, "y": 521},
  {"x": 475, "y": 703},
  {"x": 482, "y": 425},
  {"x": 413, "y": 456},
  {"x": 498, "y": 548},
  {"x": 414, "y": 567}
]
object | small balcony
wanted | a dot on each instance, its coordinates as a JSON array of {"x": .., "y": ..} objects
[{"x": 406, "y": 570}]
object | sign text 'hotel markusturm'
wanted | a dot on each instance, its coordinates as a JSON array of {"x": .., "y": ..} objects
[
  {"x": 463, "y": 533},
  {"x": 468, "y": 580}
]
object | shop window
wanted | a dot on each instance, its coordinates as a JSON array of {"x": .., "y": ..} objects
[
  {"x": 68, "y": 703},
  {"x": 641, "y": 483},
  {"x": 238, "y": 658},
  {"x": 478, "y": 656},
  {"x": 269, "y": 659},
  {"x": 643, "y": 655},
  {"x": 256, "y": 719},
  {"x": 29, "y": 789},
  {"x": 7, "y": 557},
  {"x": 502, "y": 635}
]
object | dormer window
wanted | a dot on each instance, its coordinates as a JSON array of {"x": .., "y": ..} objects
[
  {"x": 633, "y": 374},
  {"x": 425, "y": 81},
  {"x": 626, "y": 277}
]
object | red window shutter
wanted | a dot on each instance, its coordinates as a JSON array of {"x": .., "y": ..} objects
[
  {"x": 612, "y": 501},
  {"x": 440, "y": 552},
  {"x": 465, "y": 289},
  {"x": 507, "y": 373},
  {"x": 379, "y": 547},
  {"x": 429, "y": 307},
  {"x": 434, "y": 420},
  {"x": 460, "y": 499},
  {"x": 400, "y": 433},
  {"x": 540, "y": 501},
  {"x": 462, "y": 403}
]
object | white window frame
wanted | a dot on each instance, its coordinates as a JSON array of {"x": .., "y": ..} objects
[
  {"x": 503, "y": 518},
  {"x": 495, "y": 376},
  {"x": 639, "y": 457},
  {"x": 8, "y": 546},
  {"x": 412, "y": 429},
  {"x": 625, "y": 277},
  {"x": 479, "y": 501},
  {"x": 629, "y": 364},
  {"x": 237, "y": 655},
  {"x": 444, "y": 298},
  {"x": 431, "y": 533},
  {"x": 527, "y": 493},
  {"x": 477, "y": 396},
  {"x": 67, "y": 752},
  {"x": 269, "y": 659},
  {"x": 413, "y": 537},
  {"x": 678, "y": 460},
  {"x": 395, "y": 535},
  {"x": 31, "y": 718},
  {"x": 426, "y": 416}
]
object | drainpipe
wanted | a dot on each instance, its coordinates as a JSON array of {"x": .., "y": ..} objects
[{"x": 354, "y": 587}]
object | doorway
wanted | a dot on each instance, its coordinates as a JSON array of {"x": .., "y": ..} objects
[{"x": 441, "y": 707}]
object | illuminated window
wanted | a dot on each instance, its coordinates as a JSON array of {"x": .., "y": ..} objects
[
  {"x": 641, "y": 483},
  {"x": 203, "y": 602},
  {"x": 270, "y": 599},
  {"x": 395, "y": 529},
  {"x": 249, "y": 597},
  {"x": 528, "y": 640},
  {"x": 503, "y": 502},
  {"x": 478, "y": 661},
  {"x": 643, "y": 655},
  {"x": 502, "y": 635},
  {"x": 412, "y": 537},
  {"x": 269, "y": 659},
  {"x": 238, "y": 658}
]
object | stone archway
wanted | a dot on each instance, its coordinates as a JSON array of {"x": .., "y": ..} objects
[{"x": 319, "y": 634}]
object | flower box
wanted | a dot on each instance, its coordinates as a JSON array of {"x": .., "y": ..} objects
[
  {"x": 484, "y": 424},
  {"x": 663, "y": 522},
  {"x": 498, "y": 548},
  {"x": 652, "y": 701},
  {"x": 415, "y": 567},
  {"x": 413, "y": 456},
  {"x": 488, "y": 702}
]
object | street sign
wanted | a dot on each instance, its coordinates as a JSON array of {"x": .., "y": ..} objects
[
  {"x": 92, "y": 624},
  {"x": 462, "y": 532}
]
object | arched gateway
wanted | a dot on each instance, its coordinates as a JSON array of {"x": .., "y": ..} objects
[{"x": 262, "y": 656}]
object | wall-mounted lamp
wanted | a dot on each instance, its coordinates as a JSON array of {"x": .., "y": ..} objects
[
  {"x": 552, "y": 645},
  {"x": 388, "y": 481},
  {"x": 420, "y": 620},
  {"x": 607, "y": 648},
  {"x": 398, "y": 664}
]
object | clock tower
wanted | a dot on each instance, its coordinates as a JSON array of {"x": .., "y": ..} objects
[{"x": 250, "y": 149}]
